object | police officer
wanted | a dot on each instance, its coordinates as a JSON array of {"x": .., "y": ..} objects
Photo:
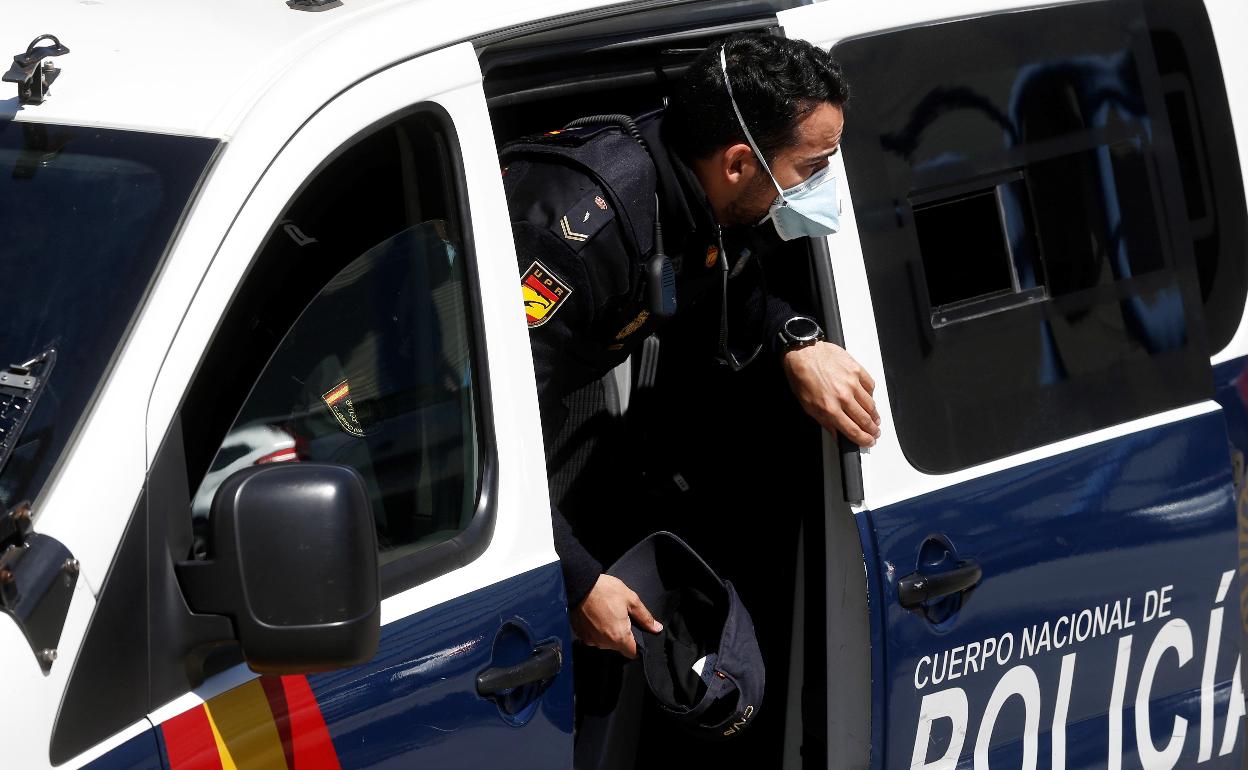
[{"x": 617, "y": 223}]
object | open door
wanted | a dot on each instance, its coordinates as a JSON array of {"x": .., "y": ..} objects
[
  {"x": 1048, "y": 522},
  {"x": 356, "y": 317}
]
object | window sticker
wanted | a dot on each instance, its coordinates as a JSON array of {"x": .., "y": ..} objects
[{"x": 338, "y": 399}]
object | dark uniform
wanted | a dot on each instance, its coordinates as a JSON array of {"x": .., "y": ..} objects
[{"x": 582, "y": 205}]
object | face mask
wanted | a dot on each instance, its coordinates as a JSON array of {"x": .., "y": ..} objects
[{"x": 810, "y": 208}]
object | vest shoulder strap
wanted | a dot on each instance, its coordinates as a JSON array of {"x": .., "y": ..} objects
[{"x": 619, "y": 165}]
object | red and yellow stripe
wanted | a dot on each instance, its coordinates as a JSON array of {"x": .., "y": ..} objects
[
  {"x": 270, "y": 723},
  {"x": 337, "y": 394}
]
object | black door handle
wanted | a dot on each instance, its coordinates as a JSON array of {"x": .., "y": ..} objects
[
  {"x": 917, "y": 588},
  {"x": 546, "y": 661}
]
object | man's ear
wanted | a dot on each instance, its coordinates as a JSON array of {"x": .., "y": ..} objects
[{"x": 737, "y": 164}]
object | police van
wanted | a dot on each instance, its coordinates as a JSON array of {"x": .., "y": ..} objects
[{"x": 273, "y": 486}]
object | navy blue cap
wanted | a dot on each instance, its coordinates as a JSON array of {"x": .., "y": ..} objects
[{"x": 704, "y": 668}]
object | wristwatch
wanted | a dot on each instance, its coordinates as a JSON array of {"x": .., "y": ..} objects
[{"x": 798, "y": 332}]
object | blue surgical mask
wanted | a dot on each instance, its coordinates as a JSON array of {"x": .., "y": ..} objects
[{"x": 810, "y": 208}]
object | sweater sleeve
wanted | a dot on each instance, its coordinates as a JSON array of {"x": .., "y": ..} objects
[
  {"x": 580, "y": 569},
  {"x": 550, "y": 340},
  {"x": 783, "y": 294}
]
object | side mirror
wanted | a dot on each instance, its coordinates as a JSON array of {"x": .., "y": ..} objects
[{"x": 294, "y": 565}]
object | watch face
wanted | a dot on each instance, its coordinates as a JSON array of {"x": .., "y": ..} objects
[{"x": 801, "y": 329}]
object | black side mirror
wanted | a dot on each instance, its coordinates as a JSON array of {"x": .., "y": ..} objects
[{"x": 294, "y": 565}]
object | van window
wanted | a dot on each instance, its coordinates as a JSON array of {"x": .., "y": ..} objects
[
  {"x": 1031, "y": 267},
  {"x": 375, "y": 375},
  {"x": 351, "y": 342},
  {"x": 87, "y": 215}
]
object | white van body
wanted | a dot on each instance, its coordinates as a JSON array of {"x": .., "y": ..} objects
[{"x": 1123, "y": 506}]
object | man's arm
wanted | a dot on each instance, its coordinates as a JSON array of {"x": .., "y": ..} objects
[
  {"x": 601, "y": 608},
  {"x": 831, "y": 386},
  {"x": 835, "y": 390},
  {"x": 558, "y": 302}
]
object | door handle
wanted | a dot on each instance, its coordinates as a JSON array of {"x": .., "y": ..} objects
[
  {"x": 545, "y": 662},
  {"x": 917, "y": 588}
]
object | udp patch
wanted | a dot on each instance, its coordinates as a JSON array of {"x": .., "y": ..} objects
[{"x": 544, "y": 293}]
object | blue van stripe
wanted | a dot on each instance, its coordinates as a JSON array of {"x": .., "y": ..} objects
[
  {"x": 1105, "y": 522},
  {"x": 416, "y": 700},
  {"x": 142, "y": 752}
]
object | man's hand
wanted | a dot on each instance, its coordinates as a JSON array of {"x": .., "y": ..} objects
[
  {"x": 602, "y": 617},
  {"x": 835, "y": 390}
]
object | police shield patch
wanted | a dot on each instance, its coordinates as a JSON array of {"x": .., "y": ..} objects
[
  {"x": 543, "y": 294},
  {"x": 338, "y": 399}
]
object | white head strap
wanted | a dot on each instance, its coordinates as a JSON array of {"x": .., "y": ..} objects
[{"x": 723, "y": 62}]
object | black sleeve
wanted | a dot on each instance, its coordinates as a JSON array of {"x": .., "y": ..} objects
[
  {"x": 784, "y": 293},
  {"x": 550, "y": 342},
  {"x": 580, "y": 569},
  {"x": 588, "y": 271},
  {"x": 776, "y": 310}
]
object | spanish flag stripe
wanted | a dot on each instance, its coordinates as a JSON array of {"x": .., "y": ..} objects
[
  {"x": 223, "y": 751},
  {"x": 314, "y": 749},
  {"x": 248, "y": 735},
  {"x": 337, "y": 394},
  {"x": 269, "y": 723},
  {"x": 189, "y": 741},
  {"x": 276, "y": 695},
  {"x": 540, "y": 288}
]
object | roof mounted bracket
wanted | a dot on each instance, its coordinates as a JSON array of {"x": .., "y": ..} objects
[
  {"x": 313, "y": 6},
  {"x": 32, "y": 74},
  {"x": 37, "y": 579}
]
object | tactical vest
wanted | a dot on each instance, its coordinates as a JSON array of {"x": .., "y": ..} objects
[{"x": 619, "y": 165}]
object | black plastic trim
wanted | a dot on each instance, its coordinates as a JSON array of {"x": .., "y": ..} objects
[
  {"x": 301, "y": 603},
  {"x": 107, "y": 687},
  {"x": 181, "y": 642},
  {"x": 825, "y": 284},
  {"x": 1182, "y": 38}
]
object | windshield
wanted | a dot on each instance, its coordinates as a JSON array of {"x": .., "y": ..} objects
[{"x": 85, "y": 215}]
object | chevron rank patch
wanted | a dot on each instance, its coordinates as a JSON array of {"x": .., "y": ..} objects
[
  {"x": 584, "y": 220},
  {"x": 544, "y": 294}
]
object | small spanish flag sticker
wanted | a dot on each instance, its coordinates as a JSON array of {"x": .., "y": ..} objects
[
  {"x": 339, "y": 401},
  {"x": 543, "y": 294}
]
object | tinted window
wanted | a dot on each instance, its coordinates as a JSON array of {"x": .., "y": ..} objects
[
  {"x": 350, "y": 341},
  {"x": 375, "y": 375},
  {"x": 1204, "y": 141},
  {"x": 86, "y": 215},
  {"x": 1031, "y": 268}
]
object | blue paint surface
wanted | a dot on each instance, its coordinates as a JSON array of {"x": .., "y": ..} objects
[
  {"x": 1230, "y": 381},
  {"x": 879, "y": 666},
  {"x": 142, "y": 752},
  {"x": 415, "y": 704},
  {"x": 1100, "y": 524},
  {"x": 1231, "y": 395}
]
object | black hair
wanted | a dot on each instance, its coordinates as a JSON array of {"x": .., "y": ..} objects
[{"x": 775, "y": 81}]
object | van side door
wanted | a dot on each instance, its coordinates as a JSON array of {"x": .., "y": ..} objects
[
  {"x": 362, "y": 312},
  {"x": 1048, "y": 521}
]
